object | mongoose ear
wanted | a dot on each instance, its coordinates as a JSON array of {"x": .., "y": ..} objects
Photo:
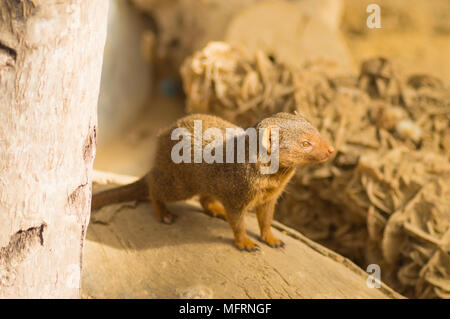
[{"x": 266, "y": 138}]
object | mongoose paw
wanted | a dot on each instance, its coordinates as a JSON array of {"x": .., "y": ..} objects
[
  {"x": 273, "y": 242},
  {"x": 247, "y": 244},
  {"x": 168, "y": 219},
  {"x": 215, "y": 215},
  {"x": 215, "y": 210}
]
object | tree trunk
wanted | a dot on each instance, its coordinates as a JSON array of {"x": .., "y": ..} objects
[{"x": 51, "y": 55}]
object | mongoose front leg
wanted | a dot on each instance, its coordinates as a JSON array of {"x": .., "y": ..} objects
[
  {"x": 162, "y": 213},
  {"x": 213, "y": 207},
  {"x": 264, "y": 213},
  {"x": 236, "y": 219}
]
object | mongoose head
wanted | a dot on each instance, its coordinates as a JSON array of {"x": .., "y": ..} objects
[{"x": 300, "y": 142}]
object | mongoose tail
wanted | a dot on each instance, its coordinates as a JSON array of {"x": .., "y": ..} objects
[{"x": 130, "y": 192}]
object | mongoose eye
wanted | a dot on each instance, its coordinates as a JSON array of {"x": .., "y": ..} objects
[{"x": 305, "y": 144}]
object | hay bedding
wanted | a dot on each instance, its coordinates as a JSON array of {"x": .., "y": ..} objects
[{"x": 385, "y": 198}]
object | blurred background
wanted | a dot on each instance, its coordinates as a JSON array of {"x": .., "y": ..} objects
[{"x": 379, "y": 95}]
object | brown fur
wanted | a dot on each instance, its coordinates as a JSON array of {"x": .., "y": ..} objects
[{"x": 229, "y": 190}]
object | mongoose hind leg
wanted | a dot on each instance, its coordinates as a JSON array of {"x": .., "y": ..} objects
[
  {"x": 236, "y": 219},
  {"x": 264, "y": 213},
  {"x": 213, "y": 207},
  {"x": 162, "y": 213}
]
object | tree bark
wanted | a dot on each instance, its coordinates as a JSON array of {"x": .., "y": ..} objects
[{"x": 51, "y": 54}]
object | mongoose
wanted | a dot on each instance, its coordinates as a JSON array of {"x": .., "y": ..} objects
[{"x": 227, "y": 190}]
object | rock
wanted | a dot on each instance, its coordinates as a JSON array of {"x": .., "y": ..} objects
[
  {"x": 126, "y": 77},
  {"x": 303, "y": 36},
  {"x": 294, "y": 31}
]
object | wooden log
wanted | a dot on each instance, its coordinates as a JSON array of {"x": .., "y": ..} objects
[
  {"x": 51, "y": 55},
  {"x": 129, "y": 254}
]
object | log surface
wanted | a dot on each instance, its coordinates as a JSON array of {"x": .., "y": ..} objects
[{"x": 131, "y": 255}]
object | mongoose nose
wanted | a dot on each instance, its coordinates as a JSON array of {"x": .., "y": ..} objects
[{"x": 330, "y": 150}]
